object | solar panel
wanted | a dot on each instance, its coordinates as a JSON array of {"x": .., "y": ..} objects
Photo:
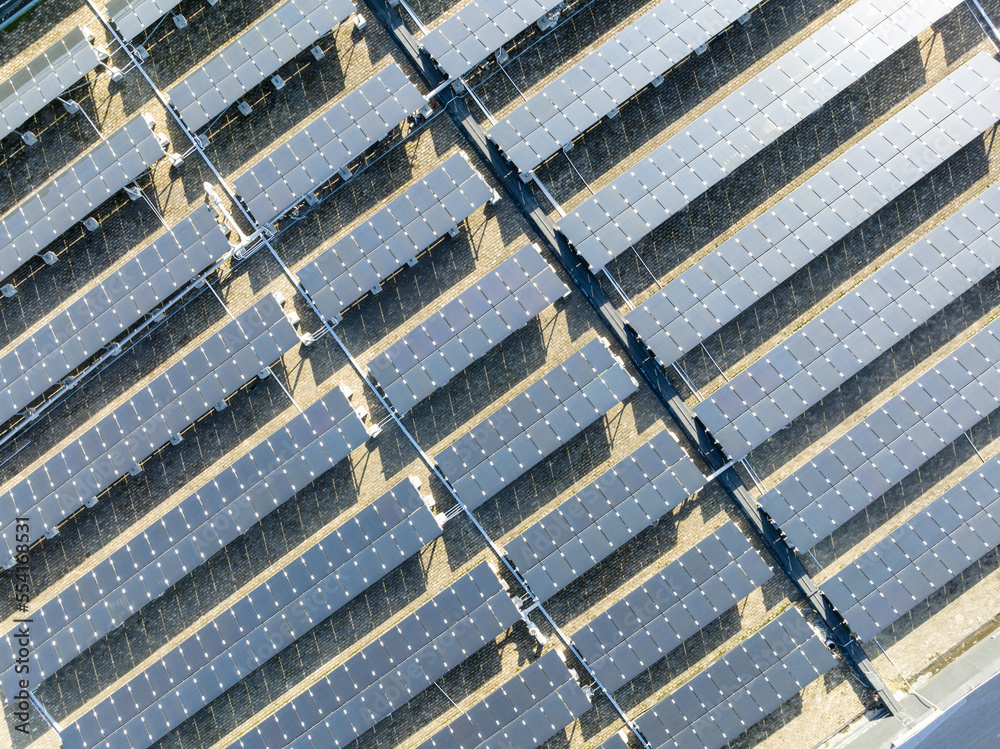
[
  {"x": 733, "y": 277},
  {"x": 434, "y": 352},
  {"x": 919, "y": 557},
  {"x": 845, "y": 478},
  {"x": 643, "y": 52},
  {"x": 574, "y": 537},
  {"x": 327, "y": 145},
  {"x": 38, "y": 220},
  {"x": 480, "y": 29},
  {"x": 132, "y": 17},
  {"x": 544, "y": 695},
  {"x": 211, "y": 517},
  {"x": 393, "y": 238},
  {"x": 280, "y": 620},
  {"x": 398, "y": 665},
  {"x": 46, "y": 77},
  {"x": 248, "y": 60},
  {"x": 805, "y": 357},
  {"x": 732, "y": 694},
  {"x": 44, "y": 356},
  {"x": 116, "y": 446},
  {"x": 623, "y": 642},
  {"x": 608, "y": 223},
  {"x": 477, "y": 471}
]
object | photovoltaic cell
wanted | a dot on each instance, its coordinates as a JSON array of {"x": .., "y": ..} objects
[
  {"x": 418, "y": 655},
  {"x": 919, "y": 557},
  {"x": 478, "y": 30},
  {"x": 44, "y": 356},
  {"x": 796, "y": 374},
  {"x": 637, "y": 57},
  {"x": 621, "y": 213},
  {"x": 27, "y": 229},
  {"x": 757, "y": 681},
  {"x": 553, "y": 410},
  {"x": 277, "y": 615},
  {"x": 878, "y": 453},
  {"x": 650, "y": 621},
  {"x": 98, "y": 457},
  {"x": 45, "y": 78},
  {"x": 832, "y": 202},
  {"x": 545, "y": 694},
  {"x": 495, "y": 306},
  {"x": 328, "y": 144},
  {"x": 393, "y": 238},
  {"x": 216, "y": 84},
  {"x": 629, "y": 497},
  {"x": 213, "y": 516}
]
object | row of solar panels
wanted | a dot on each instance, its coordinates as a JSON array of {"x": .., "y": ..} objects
[
  {"x": 69, "y": 197},
  {"x": 553, "y": 410},
  {"x": 678, "y": 601},
  {"x": 156, "y": 414},
  {"x": 479, "y": 29},
  {"x": 252, "y": 57},
  {"x": 46, "y": 355},
  {"x": 482, "y": 316},
  {"x": 857, "y": 329},
  {"x": 616, "y": 71},
  {"x": 650, "y": 622},
  {"x": 394, "y": 236},
  {"x": 833, "y": 201},
  {"x": 46, "y": 77},
  {"x": 920, "y": 556},
  {"x": 328, "y": 144},
  {"x": 527, "y": 710},
  {"x": 589, "y": 526},
  {"x": 739, "y": 127},
  {"x": 738, "y": 690},
  {"x": 279, "y": 611},
  {"x": 386, "y": 673},
  {"x": 172, "y": 546},
  {"x": 879, "y": 452}
]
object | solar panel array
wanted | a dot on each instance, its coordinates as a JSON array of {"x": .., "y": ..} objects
[
  {"x": 132, "y": 17},
  {"x": 551, "y": 412},
  {"x": 109, "y": 307},
  {"x": 619, "y": 69},
  {"x": 479, "y": 29},
  {"x": 740, "y": 126},
  {"x": 833, "y": 202},
  {"x": 675, "y": 603},
  {"x": 920, "y": 556},
  {"x": 466, "y": 328},
  {"x": 893, "y": 442},
  {"x": 734, "y": 693},
  {"x": 359, "y": 262},
  {"x": 530, "y": 708},
  {"x": 46, "y": 78},
  {"x": 853, "y": 332},
  {"x": 274, "y": 615},
  {"x": 156, "y": 414},
  {"x": 254, "y": 55},
  {"x": 589, "y": 526},
  {"x": 325, "y": 146},
  {"x": 75, "y": 192},
  {"x": 390, "y": 671},
  {"x": 172, "y": 546}
]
